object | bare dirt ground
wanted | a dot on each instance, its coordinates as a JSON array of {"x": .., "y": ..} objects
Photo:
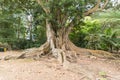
[{"x": 49, "y": 69}]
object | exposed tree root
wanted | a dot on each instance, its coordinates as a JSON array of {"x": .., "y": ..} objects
[
  {"x": 103, "y": 54},
  {"x": 67, "y": 52},
  {"x": 35, "y": 53},
  {"x": 61, "y": 55}
]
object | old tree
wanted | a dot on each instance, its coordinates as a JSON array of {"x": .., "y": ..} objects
[{"x": 60, "y": 17}]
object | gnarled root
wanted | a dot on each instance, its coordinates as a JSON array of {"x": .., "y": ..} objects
[
  {"x": 68, "y": 53},
  {"x": 35, "y": 53}
]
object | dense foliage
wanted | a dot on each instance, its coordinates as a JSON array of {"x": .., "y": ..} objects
[
  {"x": 15, "y": 26},
  {"x": 100, "y": 32}
]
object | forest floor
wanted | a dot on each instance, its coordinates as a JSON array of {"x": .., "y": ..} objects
[{"x": 47, "y": 68}]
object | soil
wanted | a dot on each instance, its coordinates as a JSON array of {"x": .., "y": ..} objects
[{"x": 47, "y": 68}]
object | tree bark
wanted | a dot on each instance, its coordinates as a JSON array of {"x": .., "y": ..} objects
[
  {"x": 59, "y": 44},
  {"x": 58, "y": 41}
]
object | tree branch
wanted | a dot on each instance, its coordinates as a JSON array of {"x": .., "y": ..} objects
[
  {"x": 41, "y": 4},
  {"x": 96, "y": 8},
  {"x": 106, "y": 2},
  {"x": 93, "y": 9}
]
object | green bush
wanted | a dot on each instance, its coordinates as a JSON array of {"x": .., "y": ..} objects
[{"x": 93, "y": 35}]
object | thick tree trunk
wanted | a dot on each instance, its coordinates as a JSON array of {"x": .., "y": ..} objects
[
  {"x": 59, "y": 44},
  {"x": 58, "y": 41}
]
